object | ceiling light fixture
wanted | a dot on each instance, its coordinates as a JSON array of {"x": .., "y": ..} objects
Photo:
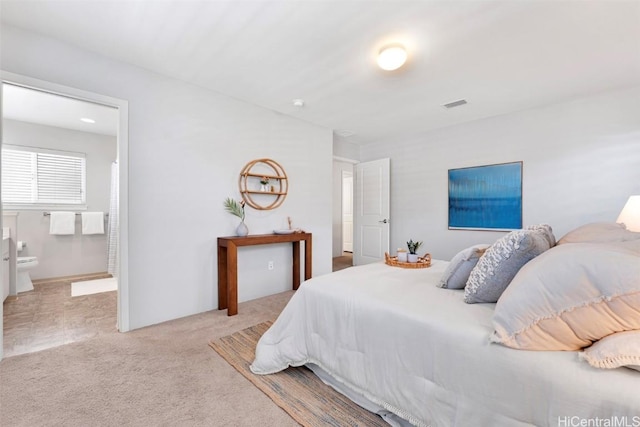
[
  {"x": 392, "y": 56},
  {"x": 298, "y": 103},
  {"x": 87, "y": 120}
]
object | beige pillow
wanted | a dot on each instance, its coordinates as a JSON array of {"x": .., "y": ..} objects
[
  {"x": 614, "y": 351},
  {"x": 569, "y": 297},
  {"x": 599, "y": 232}
]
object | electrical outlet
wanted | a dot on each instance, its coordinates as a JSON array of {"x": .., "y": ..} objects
[{"x": 270, "y": 266}]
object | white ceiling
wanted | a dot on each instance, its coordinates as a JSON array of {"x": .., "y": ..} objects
[
  {"x": 501, "y": 56},
  {"x": 34, "y": 106}
]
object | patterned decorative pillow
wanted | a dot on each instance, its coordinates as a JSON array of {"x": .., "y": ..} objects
[
  {"x": 547, "y": 230},
  {"x": 500, "y": 263},
  {"x": 458, "y": 270},
  {"x": 571, "y": 296},
  {"x": 614, "y": 351},
  {"x": 599, "y": 232}
]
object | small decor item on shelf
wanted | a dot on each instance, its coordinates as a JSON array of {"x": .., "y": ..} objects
[
  {"x": 413, "y": 248},
  {"x": 289, "y": 230},
  {"x": 265, "y": 184},
  {"x": 237, "y": 209}
]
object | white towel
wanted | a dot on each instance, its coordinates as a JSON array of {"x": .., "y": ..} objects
[
  {"x": 92, "y": 222},
  {"x": 62, "y": 223}
]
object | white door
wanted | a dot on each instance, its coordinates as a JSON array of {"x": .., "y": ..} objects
[
  {"x": 347, "y": 211},
  {"x": 371, "y": 237}
]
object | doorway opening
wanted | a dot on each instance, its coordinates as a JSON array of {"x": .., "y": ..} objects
[
  {"x": 342, "y": 213},
  {"x": 53, "y": 118}
]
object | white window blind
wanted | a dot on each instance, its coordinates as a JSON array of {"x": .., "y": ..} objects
[{"x": 37, "y": 177}]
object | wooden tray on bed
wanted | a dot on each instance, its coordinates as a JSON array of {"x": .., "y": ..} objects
[{"x": 423, "y": 261}]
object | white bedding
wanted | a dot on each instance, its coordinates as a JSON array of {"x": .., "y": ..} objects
[{"x": 420, "y": 352}]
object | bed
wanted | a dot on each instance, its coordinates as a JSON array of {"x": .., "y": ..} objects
[{"x": 417, "y": 354}]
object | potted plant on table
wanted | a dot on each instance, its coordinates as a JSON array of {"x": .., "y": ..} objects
[
  {"x": 237, "y": 209},
  {"x": 413, "y": 250}
]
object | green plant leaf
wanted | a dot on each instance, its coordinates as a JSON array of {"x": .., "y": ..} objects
[
  {"x": 234, "y": 208},
  {"x": 413, "y": 246}
]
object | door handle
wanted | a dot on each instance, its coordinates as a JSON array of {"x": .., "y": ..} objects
[{"x": 384, "y": 221}]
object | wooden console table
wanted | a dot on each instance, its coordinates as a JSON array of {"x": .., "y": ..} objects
[{"x": 228, "y": 263}]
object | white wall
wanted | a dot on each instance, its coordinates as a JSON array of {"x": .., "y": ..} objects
[
  {"x": 66, "y": 255},
  {"x": 187, "y": 146},
  {"x": 343, "y": 148},
  {"x": 581, "y": 163}
]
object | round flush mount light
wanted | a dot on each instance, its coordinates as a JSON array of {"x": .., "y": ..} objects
[
  {"x": 392, "y": 56},
  {"x": 87, "y": 120},
  {"x": 298, "y": 103}
]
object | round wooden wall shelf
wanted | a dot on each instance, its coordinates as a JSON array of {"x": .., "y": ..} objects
[{"x": 263, "y": 196}]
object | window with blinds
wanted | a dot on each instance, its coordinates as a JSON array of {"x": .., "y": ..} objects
[{"x": 35, "y": 177}]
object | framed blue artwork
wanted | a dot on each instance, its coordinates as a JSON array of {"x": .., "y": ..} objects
[{"x": 486, "y": 197}]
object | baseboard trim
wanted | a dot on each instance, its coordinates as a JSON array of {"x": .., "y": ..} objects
[{"x": 74, "y": 278}]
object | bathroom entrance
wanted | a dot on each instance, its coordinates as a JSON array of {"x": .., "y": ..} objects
[{"x": 67, "y": 223}]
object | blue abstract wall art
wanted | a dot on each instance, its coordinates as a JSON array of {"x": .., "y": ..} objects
[{"x": 486, "y": 197}]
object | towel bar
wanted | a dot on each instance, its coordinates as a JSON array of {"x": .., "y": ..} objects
[{"x": 77, "y": 213}]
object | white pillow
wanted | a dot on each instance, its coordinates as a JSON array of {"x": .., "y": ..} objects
[
  {"x": 569, "y": 297},
  {"x": 500, "y": 263},
  {"x": 458, "y": 270},
  {"x": 599, "y": 232},
  {"x": 621, "y": 349}
]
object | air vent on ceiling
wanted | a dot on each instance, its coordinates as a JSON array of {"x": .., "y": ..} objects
[
  {"x": 455, "y": 103},
  {"x": 344, "y": 133}
]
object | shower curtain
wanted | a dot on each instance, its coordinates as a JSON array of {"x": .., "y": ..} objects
[{"x": 112, "y": 244}]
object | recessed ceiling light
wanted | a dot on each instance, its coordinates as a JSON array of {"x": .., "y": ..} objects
[
  {"x": 87, "y": 120},
  {"x": 392, "y": 56}
]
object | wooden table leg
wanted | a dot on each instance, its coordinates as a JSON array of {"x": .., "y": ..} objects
[
  {"x": 296, "y": 265},
  {"x": 232, "y": 279},
  {"x": 222, "y": 277},
  {"x": 307, "y": 259}
]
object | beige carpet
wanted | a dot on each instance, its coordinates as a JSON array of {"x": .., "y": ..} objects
[
  {"x": 342, "y": 262},
  {"x": 163, "y": 375},
  {"x": 297, "y": 390}
]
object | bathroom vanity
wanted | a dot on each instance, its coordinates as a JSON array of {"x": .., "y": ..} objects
[
  {"x": 9, "y": 234},
  {"x": 6, "y": 238}
]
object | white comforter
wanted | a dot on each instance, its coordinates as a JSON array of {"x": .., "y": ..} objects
[{"x": 420, "y": 352}]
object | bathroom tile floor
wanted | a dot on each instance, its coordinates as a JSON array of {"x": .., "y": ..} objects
[{"x": 49, "y": 316}]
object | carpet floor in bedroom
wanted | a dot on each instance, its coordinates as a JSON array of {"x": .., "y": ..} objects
[
  {"x": 164, "y": 374},
  {"x": 297, "y": 390}
]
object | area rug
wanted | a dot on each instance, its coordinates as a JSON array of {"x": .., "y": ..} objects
[
  {"x": 298, "y": 391},
  {"x": 96, "y": 286}
]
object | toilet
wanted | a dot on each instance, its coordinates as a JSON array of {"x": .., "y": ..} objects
[{"x": 24, "y": 264}]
